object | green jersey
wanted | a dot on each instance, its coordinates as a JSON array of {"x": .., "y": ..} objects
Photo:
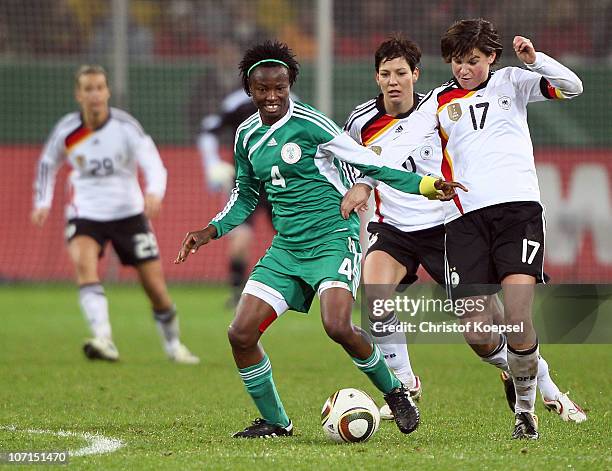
[{"x": 297, "y": 162}]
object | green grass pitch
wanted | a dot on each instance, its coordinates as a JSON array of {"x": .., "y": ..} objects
[{"x": 181, "y": 417}]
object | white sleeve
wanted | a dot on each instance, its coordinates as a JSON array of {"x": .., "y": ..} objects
[
  {"x": 548, "y": 79},
  {"x": 149, "y": 160},
  {"x": 208, "y": 142},
  {"x": 421, "y": 126},
  {"x": 367, "y": 181},
  {"x": 51, "y": 158},
  {"x": 357, "y": 177}
]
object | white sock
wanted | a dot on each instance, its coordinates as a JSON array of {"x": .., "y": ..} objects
[
  {"x": 499, "y": 356},
  {"x": 168, "y": 327},
  {"x": 548, "y": 389},
  {"x": 524, "y": 369},
  {"x": 395, "y": 350},
  {"x": 94, "y": 306}
]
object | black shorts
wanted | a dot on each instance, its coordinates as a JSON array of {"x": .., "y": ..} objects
[
  {"x": 411, "y": 249},
  {"x": 132, "y": 238},
  {"x": 486, "y": 245}
]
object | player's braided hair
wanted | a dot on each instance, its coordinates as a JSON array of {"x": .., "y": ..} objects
[
  {"x": 397, "y": 45},
  {"x": 273, "y": 53},
  {"x": 465, "y": 35}
]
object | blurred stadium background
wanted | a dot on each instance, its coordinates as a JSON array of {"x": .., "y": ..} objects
[{"x": 172, "y": 61}]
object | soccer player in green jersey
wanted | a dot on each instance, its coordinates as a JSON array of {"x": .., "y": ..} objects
[{"x": 295, "y": 152}]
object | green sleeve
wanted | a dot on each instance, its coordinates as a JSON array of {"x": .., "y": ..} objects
[
  {"x": 243, "y": 199},
  {"x": 366, "y": 161}
]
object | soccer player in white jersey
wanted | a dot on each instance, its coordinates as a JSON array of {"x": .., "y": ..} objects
[
  {"x": 408, "y": 232},
  {"x": 495, "y": 232},
  {"x": 105, "y": 146}
]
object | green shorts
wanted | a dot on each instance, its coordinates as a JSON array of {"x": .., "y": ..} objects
[{"x": 289, "y": 279}]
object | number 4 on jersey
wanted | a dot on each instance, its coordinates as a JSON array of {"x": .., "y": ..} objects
[
  {"x": 346, "y": 269},
  {"x": 277, "y": 178}
]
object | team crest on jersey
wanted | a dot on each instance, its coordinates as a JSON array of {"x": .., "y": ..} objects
[
  {"x": 505, "y": 102},
  {"x": 80, "y": 161},
  {"x": 376, "y": 149},
  {"x": 291, "y": 153},
  {"x": 454, "y": 278},
  {"x": 454, "y": 111},
  {"x": 426, "y": 152}
]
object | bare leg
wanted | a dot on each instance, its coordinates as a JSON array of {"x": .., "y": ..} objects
[{"x": 336, "y": 309}]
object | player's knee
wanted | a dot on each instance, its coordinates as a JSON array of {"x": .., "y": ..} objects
[
  {"x": 339, "y": 330},
  {"x": 240, "y": 338},
  {"x": 483, "y": 349},
  {"x": 85, "y": 270}
]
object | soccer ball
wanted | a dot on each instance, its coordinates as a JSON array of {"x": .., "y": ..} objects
[
  {"x": 350, "y": 415},
  {"x": 221, "y": 175}
]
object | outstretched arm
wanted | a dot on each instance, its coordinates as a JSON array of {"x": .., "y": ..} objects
[
  {"x": 346, "y": 149},
  {"x": 561, "y": 81}
]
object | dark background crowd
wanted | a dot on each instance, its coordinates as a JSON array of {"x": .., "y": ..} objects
[{"x": 174, "y": 29}]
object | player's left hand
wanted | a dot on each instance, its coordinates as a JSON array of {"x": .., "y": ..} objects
[
  {"x": 524, "y": 49},
  {"x": 152, "y": 205},
  {"x": 356, "y": 199},
  {"x": 447, "y": 189}
]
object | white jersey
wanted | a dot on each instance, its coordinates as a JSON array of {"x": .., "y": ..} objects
[
  {"x": 104, "y": 177},
  {"x": 485, "y": 139},
  {"x": 371, "y": 126}
]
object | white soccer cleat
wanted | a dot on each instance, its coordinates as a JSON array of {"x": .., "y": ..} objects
[
  {"x": 100, "y": 348},
  {"x": 182, "y": 355},
  {"x": 415, "y": 394},
  {"x": 567, "y": 409},
  {"x": 416, "y": 390},
  {"x": 385, "y": 413}
]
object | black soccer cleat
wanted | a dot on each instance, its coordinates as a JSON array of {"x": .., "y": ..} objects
[
  {"x": 509, "y": 389},
  {"x": 262, "y": 429},
  {"x": 526, "y": 426},
  {"x": 405, "y": 412}
]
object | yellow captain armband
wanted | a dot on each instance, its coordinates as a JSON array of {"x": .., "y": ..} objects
[{"x": 427, "y": 188}]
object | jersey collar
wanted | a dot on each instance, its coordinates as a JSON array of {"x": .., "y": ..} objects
[
  {"x": 281, "y": 121},
  {"x": 108, "y": 118},
  {"x": 380, "y": 106},
  {"x": 479, "y": 87}
]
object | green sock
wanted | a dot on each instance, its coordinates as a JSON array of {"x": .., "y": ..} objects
[
  {"x": 260, "y": 385},
  {"x": 378, "y": 371}
]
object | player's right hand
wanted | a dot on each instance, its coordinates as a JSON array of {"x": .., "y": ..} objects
[
  {"x": 39, "y": 216},
  {"x": 447, "y": 189},
  {"x": 356, "y": 199},
  {"x": 193, "y": 241}
]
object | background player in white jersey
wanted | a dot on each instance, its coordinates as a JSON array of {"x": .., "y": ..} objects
[
  {"x": 105, "y": 146},
  {"x": 294, "y": 151},
  {"x": 235, "y": 108},
  {"x": 494, "y": 233},
  {"x": 408, "y": 232}
]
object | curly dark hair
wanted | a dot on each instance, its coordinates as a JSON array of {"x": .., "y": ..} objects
[
  {"x": 397, "y": 45},
  {"x": 268, "y": 50},
  {"x": 465, "y": 35}
]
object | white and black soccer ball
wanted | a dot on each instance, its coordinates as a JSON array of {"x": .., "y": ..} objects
[{"x": 350, "y": 415}]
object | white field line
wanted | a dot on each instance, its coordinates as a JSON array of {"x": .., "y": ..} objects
[{"x": 97, "y": 444}]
